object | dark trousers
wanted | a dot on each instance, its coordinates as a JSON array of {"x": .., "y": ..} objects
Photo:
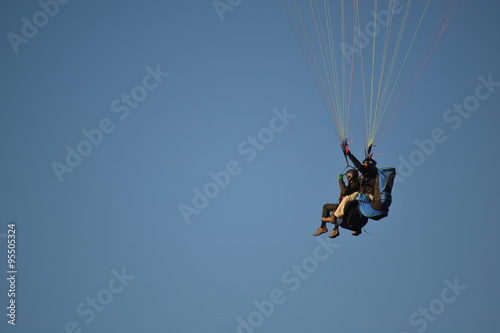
[{"x": 327, "y": 209}]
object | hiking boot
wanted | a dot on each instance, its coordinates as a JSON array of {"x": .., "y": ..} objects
[
  {"x": 321, "y": 230},
  {"x": 330, "y": 219},
  {"x": 356, "y": 232},
  {"x": 335, "y": 233}
]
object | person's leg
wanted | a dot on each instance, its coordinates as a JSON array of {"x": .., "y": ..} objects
[
  {"x": 328, "y": 216},
  {"x": 339, "y": 212},
  {"x": 358, "y": 231},
  {"x": 328, "y": 208}
]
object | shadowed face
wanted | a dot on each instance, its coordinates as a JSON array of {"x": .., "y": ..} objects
[{"x": 351, "y": 175}]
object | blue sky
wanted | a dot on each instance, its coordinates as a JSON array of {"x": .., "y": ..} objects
[{"x": 163, "y": 99}]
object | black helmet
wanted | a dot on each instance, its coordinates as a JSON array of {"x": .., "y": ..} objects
[
  {"x": 352, "y": 174},
  {"x": 370, "y": 161}
]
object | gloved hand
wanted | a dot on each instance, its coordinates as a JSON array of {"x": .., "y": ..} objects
[
  {"x": 340, "y": 177},
  {"x": 345, "y": 146}
]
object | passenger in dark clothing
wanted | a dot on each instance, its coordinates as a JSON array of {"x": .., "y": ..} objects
[{"x": 351, "y": 187}]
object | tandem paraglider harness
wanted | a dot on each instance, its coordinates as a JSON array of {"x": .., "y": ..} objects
[{"x": 358, "y": 212}]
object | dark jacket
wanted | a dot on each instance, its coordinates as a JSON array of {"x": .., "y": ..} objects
[
  {"x": 370, "y": 176},
  {"x": 350, "y": 188}
]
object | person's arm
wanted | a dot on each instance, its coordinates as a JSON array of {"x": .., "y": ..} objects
[
  {"x": 343, "y": 187},
  {"x": 355, "y": 161}
]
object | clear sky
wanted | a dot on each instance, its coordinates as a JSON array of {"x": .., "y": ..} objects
[{"x": 165, "y": 166}]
